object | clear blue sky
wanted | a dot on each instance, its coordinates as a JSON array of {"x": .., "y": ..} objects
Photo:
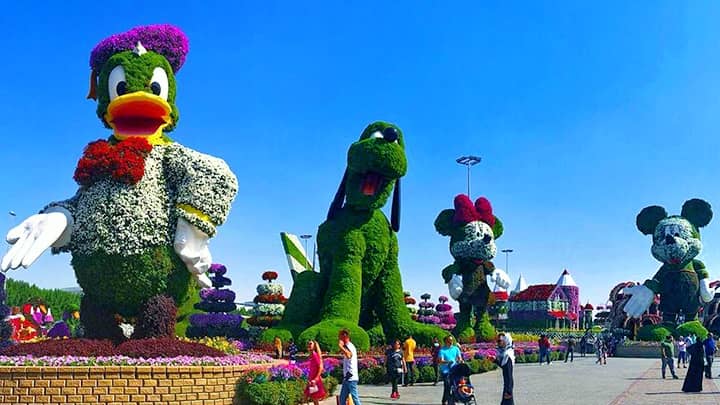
[{"x": 583, "y": 114}]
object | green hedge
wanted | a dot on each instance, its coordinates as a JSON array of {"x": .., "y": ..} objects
[
  {"x": 290, "y": 392},
  {"x": 20, "y": 292}
]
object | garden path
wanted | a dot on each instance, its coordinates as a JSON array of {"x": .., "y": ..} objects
[{"x": 621, "y": 381}]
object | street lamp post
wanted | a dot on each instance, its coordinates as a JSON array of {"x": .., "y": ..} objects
[
  {"x": 305, "y": 238},
  {"x": 468, "y": 161},
  {"x": 507, "y": 253}
]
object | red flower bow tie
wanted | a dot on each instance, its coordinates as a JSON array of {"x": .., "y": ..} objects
[{"x": 123, "y": 161}]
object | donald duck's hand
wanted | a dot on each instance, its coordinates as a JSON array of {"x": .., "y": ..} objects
[
  {"x": 706, "y": 293},
  {"x": 35, "y": 235},
  {"x": 191, "y": 244}
]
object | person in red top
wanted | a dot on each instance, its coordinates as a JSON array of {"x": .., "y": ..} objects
[
  {"x": 315, "y": 390},
  {"x": 544, "y": 348}
]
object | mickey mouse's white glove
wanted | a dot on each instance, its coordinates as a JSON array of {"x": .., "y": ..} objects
[
  {"x": 706, "y": 293},
  {"x": 640, "y": 301},
  {"x": 455, "y": 286},
  {"x": 191, "y": 244},
  {"x": 35, "y": 235},
  {"x": 500, "y": 278}
]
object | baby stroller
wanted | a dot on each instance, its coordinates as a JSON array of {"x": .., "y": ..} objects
[{"x": 462, "y": 389}]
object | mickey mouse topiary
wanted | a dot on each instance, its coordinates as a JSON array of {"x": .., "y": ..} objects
[{"x": 682, "y": 280}]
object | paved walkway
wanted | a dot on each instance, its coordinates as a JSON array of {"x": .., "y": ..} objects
[{"x": 621, "y": 381}]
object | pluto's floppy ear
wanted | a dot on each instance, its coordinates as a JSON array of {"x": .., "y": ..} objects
[
  {"x": 339, "y": 199},
  {"x": 648, "y": 219},
  {"x": 444, "y": 222},
  {"x": 498, "y": 228},
  {"x": 395, "y": 213},
  {"x": 697, "y": 211}
]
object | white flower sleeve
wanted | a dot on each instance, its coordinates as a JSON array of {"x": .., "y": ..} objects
[{"x": 205, "y": 187}]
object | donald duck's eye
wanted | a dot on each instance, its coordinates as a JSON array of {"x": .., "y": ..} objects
[
  {"x": 159, "y": 83},
  {"x": 116, "y": 82}
]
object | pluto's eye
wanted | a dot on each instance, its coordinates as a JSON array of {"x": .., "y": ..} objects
[
  {"x": 116, "y": 82},
  {"x": 376, "y": 135},
  {"x": 159, "y": 83},
  {"x": 390, "y": 134}
]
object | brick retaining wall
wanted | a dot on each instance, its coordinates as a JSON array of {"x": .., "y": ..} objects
[{"x": 114, "y": 385}]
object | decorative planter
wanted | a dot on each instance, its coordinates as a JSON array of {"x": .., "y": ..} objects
[
  {"x": 638, "y": 351},
  {"x": 197, "y": 385}
]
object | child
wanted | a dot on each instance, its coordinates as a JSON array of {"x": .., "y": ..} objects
[{"x": 395, "y": 367}]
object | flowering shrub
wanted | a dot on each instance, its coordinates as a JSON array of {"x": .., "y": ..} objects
[
  {"x": 270, "y": 303},
  {"x": 218, "y": 343},
  {"x": 76, "y": 347},
  {"x": 158, "y": 318},
  {"x": 217, "y": 302},
  {"x": 28, "y": 360}
]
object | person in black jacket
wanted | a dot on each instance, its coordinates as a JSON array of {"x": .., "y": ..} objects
[
  {"x": 395, "y": 367},
  {"x": 505, "y": 359}
]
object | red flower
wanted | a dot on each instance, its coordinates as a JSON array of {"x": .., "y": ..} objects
[
  {"x": 270, "y": 275},
  {"x": 124, "y": 161}
]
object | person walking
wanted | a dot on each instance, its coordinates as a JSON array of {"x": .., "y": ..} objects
[
  {"x": 600, "y": 351},
  {"x": 667, "y": 355},
  {"x": 570, "y": 349},
  {"x": 583, "y": 345},
  {"x": 682, "y": 352},
  {"x": 448, "y": 356},
  {"x": 315, "y": 390},
  {"x": 409, "y": 359},
  {"x": 506, "y": 359},
  {"x": 396, "y": 367},
  {"x": 694, "y": 376},
  {"x": 710, "y": 348},
  {"x": 434, "y": 351},
  {"x": 350, "y": 369}
]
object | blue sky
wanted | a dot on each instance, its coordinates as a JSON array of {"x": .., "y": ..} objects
[{"x": 583, "y": 115}]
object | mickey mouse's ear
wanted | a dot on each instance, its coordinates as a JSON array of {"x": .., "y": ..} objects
[
  {"x": 649, "y": 218},
  {"x": 697, "y": 211}
]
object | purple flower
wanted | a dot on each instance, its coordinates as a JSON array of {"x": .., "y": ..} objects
[
  {"x": 167, "y": 40},
  {"x": 212, "y": 294}
]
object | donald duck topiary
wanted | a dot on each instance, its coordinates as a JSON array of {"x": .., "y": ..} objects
[{"x": 138, "y": 226}]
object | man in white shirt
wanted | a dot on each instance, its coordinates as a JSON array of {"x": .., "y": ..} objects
[{"x": 350, "y": 368}]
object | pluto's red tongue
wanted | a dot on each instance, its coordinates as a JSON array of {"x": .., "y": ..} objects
[{"x": 370, "y": 184}]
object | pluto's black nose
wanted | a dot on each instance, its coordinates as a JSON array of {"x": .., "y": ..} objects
[{"x": 390, "y": 134}]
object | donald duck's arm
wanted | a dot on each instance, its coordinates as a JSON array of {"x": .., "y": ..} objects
[{"x": 205, "y": 187}]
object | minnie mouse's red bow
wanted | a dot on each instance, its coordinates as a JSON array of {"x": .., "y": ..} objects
[{"x": 466, "y": 212}]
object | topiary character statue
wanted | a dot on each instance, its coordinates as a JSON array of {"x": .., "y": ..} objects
[
  {"x": 138, "y": 226},
  {"x": 682, "y": 280},
  {"x": 472, "y": 229},
  {"x": 359, "y": 286}
]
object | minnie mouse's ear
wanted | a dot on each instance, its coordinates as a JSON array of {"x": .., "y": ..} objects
[
  {"x": 395, "y": 213},
  {"x": 648, "y": 219},
  {"x": 444, "y": 222},
  {"x": 697, "y": 211},
  {"x": 339, "y": 199}
]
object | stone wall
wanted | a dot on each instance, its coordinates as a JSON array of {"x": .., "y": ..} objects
[{"x": 114, "y": 385}]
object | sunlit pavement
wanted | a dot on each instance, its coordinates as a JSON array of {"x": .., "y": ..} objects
[{"x": 621, "y": 381}]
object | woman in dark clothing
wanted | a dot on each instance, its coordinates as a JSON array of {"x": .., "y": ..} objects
[
  {"x": 434, "y": 351},
  {"x": 395, "y": 367},
  {"x": 505, "y": 359},
  {"x": 694, "y": 376}
]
